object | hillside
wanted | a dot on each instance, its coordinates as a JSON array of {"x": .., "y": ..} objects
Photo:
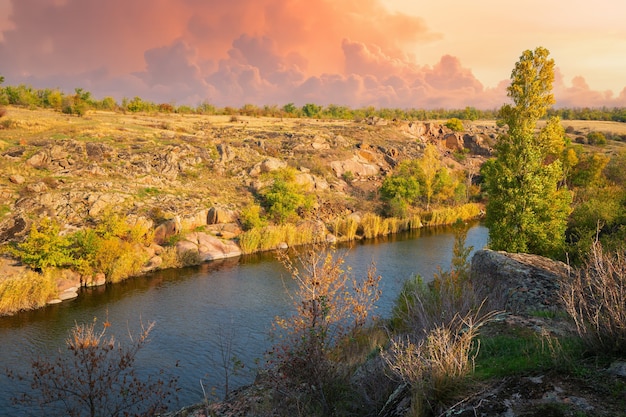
[{"x": 174, "y": 174}]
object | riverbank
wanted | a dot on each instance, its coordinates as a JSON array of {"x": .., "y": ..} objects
[{"x": 22, "y": 288}]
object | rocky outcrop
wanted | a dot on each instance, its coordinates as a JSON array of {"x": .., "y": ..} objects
[
  {"x": 517, "y": 282},
  {"x": 207, "y": 247},
  {"x": 357, "y": 165}
]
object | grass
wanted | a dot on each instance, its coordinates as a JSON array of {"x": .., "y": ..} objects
[
  {"x": 523, "y": 351},
  {"x": 26, "y": 291}
]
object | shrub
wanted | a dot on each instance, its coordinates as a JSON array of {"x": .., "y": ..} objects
[
  {"x": 284, "y": 197},
  {"x": 250, "y": 217},
  {"x": 596, "y": 138},
  {"x": 594, "y": 298},
  {"x": 329, "y": 304},
  {"x": 97, "y": 377},
  {"x": 44, "y": 247},
  {"x": 436, "y": 366},
  {"x": 455, "y": 124}
]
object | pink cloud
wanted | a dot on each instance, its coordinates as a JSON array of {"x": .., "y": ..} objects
[{"x": 244, "y": 51}]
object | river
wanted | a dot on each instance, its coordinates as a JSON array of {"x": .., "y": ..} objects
[{"x": 199, "y": 310}]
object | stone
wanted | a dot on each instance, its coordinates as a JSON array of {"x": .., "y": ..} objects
[
  {"x": 39, "y": 160},
  {"x": 518, "y": 282},
  {"x": 166, "y": 230},
  {"x": 68, "y": 295},
  {"x": 38, "y": 187},
  {"x": 219, "y": 216},
  {"x": 208, "y": 247},
  {"x": 197, "y": 219},
  {"x": 357, "y": 166},
  {"x": 154, "y": 263},
  {"x": 268, "y": 165},
  {"x": 618, "y": 368},
  {"x": 453, "y": 141},
  {"x": 16, "y": 179}
]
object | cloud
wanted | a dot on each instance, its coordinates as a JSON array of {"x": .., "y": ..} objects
[{"x": 243, "y": 51}]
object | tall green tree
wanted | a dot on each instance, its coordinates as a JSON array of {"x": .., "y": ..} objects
[{"x": 527, "y": 210}]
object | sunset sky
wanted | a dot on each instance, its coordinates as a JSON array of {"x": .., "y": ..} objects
[{"x": 384, "y": 53}]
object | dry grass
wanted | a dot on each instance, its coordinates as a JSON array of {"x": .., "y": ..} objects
[
  {"x": 26, "y": 291},
  {"x": 436, "y": 365},
  {"x": 594, "y": 297},
  {"x": 450, "y": 215}
]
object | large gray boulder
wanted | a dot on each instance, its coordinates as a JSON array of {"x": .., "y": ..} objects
[{"x": 518, "y": 282}]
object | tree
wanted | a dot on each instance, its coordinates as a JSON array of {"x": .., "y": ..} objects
[
  {"x": 527, "y": 210},
  {"x": 97, "y": 378}
]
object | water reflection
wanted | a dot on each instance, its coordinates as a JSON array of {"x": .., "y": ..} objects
[{"x": 195, "y": 308}]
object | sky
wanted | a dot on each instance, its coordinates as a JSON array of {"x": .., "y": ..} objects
[{"x": 383, "y": 53}]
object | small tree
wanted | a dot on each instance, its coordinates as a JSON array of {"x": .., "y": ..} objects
[
  {"x": 96, "y": 378},
  {"x": 526, "y": 209},
  {"x": 329, "y": 304}
]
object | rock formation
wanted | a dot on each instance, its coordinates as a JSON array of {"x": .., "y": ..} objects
[{"x": 517, "y": 282}]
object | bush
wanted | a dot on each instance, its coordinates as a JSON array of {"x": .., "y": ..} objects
[
  {"x": 284, "y": 198},
  {"x": 329, "y": 304},
  {"x": 250, "y": 217},
  {"x": 44, "y": 247},
  {"x": 455, "y": 124},
  {"x": 596, "y": 138},
  {"x": 594, "y": 298},
  {"x": 436, "y": 366},
  {"x": 96, "y": 377}
]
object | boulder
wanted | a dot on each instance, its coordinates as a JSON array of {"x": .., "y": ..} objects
[
  {"x": 310, "y": 182},
  {"x": 39, "y": 160},
  {"x": 166, "y": 230},
  {"x": 453, "y": 141},
  {"x": 358, "y": 167},
  {"x": 268, "y": 165},
  {"x": 17, "y": 179},
  {"x": 207, "y": 247},
  {"x": 518, "y": 282},
  {"x": 197, "y": 219},
  {"x": 477, "y": 144},
  {"x": 219, "y": 216}
]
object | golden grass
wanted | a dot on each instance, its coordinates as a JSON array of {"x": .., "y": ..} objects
[
  {"x": 26, "y": 291},
  {"x": 450, "y": 215}
]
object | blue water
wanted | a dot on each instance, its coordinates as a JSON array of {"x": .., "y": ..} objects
[{"x": 199, "y": 311}]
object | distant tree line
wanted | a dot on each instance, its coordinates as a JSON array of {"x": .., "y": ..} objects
[{"x": 81, "y": 101}]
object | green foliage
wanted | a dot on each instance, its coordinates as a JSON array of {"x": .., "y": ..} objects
[
  {"x": 44, "y": 247},
  {"x": 455, "y": 125},
  {"x": 311, "y": 110},
  {"x": 596, "y": 138},
  {"x": 284, "y": 197},
  {"x": 403, "y": 184},
  {"x": 250, "y": 217},
  {"x": 526, "y": 209}
]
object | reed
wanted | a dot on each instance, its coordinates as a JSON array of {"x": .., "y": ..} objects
[
  {"x": 372, "y": 225},
  {"x": 26, "y": 291},
  {"x": 450, "y": 215}
]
